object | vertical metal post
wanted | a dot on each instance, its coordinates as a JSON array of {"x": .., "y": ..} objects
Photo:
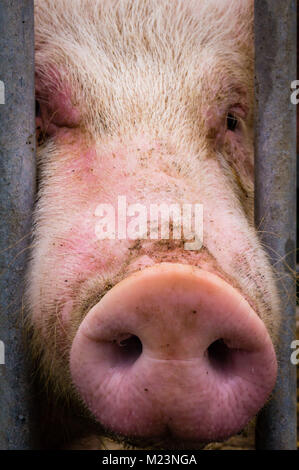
[
  {"x": 275, "y": 199},
  {"x": 17, "y": 188}
]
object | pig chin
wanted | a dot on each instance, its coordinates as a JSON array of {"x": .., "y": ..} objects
[{"x": 173, "y": 353}]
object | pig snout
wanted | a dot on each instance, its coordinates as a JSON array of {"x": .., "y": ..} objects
[{"x": 173, "y": 351}]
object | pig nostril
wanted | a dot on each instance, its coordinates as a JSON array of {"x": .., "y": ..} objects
[
  {"x": 220, "y": 355},
  {"x": 127, "y": 349}
]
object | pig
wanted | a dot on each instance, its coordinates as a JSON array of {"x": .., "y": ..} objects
[{"x": 140, "y": 339}]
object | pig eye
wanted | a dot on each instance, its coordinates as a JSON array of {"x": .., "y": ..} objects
[{"x": 231, "y": 122}]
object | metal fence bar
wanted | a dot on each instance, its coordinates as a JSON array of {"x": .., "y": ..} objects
[
  {"x": 17, "y": 188},
  {"x": 275, "y": 198}
]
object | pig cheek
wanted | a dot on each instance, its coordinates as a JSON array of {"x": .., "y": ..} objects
[
  {"x": 66, "y": 316},
  {"x": 81, "y": 256},
  {"x": 82, "y": 253},
  {"x": 72, "y": 264},
  {"x": 76, "y": 178},
  {"x": 240, "y": 158}
]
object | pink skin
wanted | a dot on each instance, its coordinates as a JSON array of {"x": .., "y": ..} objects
[
  {"x": 177, "y": 303},
  {"x": 141, "y": 400},
  {"x": 177, "y": 312}
]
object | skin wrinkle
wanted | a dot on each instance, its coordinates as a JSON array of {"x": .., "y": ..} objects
[{"x": 89, "y": 300}]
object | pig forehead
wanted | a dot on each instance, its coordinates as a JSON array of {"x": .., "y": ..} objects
[
  {"x": 123, "y": 56},
  {"x": 155, "y": 28}
]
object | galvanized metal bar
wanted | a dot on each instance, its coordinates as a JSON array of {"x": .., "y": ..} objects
[
  {"x": 275, "y": 197},
  {"x": 17, "y": 189}
]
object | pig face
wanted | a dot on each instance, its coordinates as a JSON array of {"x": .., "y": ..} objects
[{"x": 141, "y": 103}]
